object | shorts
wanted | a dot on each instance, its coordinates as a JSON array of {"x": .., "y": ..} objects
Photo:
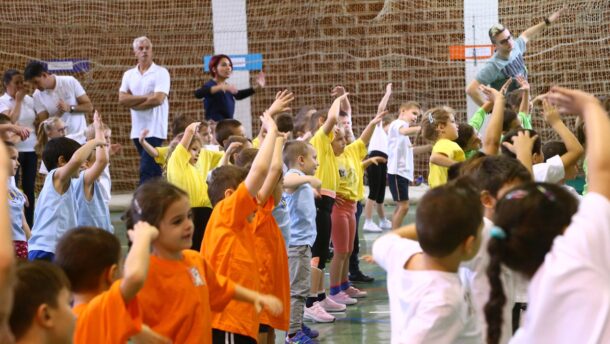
[
  {"x": 41, "y": 255},
  {"x": 376, "y": 175},
  {"x": 224, "y": 337},
  {"x": 399, "y": 187},
  {"x": 344, "y": 225}
]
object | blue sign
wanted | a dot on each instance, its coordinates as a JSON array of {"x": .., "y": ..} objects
[
  {"x": 240, "y": 62},
  {"x": 67, "y": 65}
]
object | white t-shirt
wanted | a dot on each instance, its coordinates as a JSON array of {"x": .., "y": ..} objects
[
  {"x": 550, "y": 171},
  {"x": 473, "y": 275},
  {"x": 155, "y": 79},
  {"x": 27, "y": 117},
  {"x": 379, "y": 140},
  {"x": 569, "y": 296},
  {"x": 425, "y": 306},
  {"x": 67, "y": 88},
  {"x": 400, "y": 151}
]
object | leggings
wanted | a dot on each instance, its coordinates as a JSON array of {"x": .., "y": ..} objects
[{"x": 320, "y": 249}]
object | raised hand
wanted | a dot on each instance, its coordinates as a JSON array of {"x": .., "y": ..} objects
[
  {"x": 379, "y": 117},
  {"x": 193, "y": 128},
  {"x": 550, "y": 113},
  {"x": 523, "y": 83},
  {"x": 260, "y": 80},
  {"x": 491, "y": 93},
  {"x": 143, "y": 230},
  {"x": 337, "y": 91},
  {"x": 268, "y": 123},
  {"x": 506, "y": 85},
  {"x": 571, "y": 101},
  {"x": 388, "y": 88},
  {"x": 553, "y": 17},
  {"x": 282, "y": 99},
  {"x": 522, "y": 142},
  {"x": 143, "y": 134}
]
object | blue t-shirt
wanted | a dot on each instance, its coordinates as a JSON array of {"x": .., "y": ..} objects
[
  {"x": 282, "y": 217},
  {"x": 497, "y": 70},
  {"x": 16, "y": 202},
  {"x": 94, "y": 212},
  {"x": 54, "y": 215},
  {"x": 302, "y": 210}
]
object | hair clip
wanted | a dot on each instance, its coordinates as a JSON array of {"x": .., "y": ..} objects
[
  {"x": 547, "y": 193},
  {"x": 430, "y": 118},
  {"x": 497, "y": 232},
  {"x": 517, "y": 194},
  {"x": 136, "y": 205}
]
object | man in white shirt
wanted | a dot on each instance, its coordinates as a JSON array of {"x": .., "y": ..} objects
[
  {"x": 144, "y": 89},
  {"x": 61, "y": 96}
]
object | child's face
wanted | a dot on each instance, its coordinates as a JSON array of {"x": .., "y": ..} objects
[
  {"x": 13, "y": 155},
  {"x": 175, "y": 228},
  {"x": 63, "y": 319},
  {"x": 339, "y": 142},
  {"x": 194, "y": 149},
  {"x": 450, "y": 129},
  {"x": 474, "y": 143},
  {"x": 206, "y": 135},
  {"x": 410, "y": 115},
  {"x": 310, "y": 162},
  {"x": 57, "y": 130}
]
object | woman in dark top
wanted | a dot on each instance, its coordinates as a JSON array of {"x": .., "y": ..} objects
[{"x": 218, "y": 95}]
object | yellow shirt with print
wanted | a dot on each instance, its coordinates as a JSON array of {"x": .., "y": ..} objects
[
  {"x": 438, "y": 174},
  {"x": 350, "y": 171},
  {"x": 327, "y": 170},
  {"x": 192, "y": 179}
]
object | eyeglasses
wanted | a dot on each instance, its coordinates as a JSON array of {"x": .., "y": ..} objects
[{"x": 504, "y": 41}]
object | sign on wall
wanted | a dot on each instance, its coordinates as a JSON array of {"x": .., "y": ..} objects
[{"x": 240, "y": 62}]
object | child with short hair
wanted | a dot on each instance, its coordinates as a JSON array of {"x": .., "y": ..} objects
[
  {"x": 57, "y": 208},
  {"x": 51, "y": 128},
  {"x": 42, "y": 312},
  {"x": 427, "y": 301},
  {"x": 564, "y": 256},
  {"x": 553, "y": 148},
  {"x": 105, "y": 182},
  {"x": 229, "y": 243},
  {"x": 439, "y": 126},
  {"x": 16, "y": 202},
  {"x": 400, "y": 158},
  {"x": 226, "y": 128},
  {"x": 105, "y": 304}
]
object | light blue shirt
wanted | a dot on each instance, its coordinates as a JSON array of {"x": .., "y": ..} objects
[
  {"x": 16, "y": 202},
  {"x": 282, "y": 217},
  {"x": 54, "y": 215},
  {"x": 302, "y": 211},
  {"x": 94, "y": 212},
  {"x": 497, "y": 70}
]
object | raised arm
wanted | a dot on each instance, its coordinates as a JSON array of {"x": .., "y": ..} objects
[
  {"x": 345, "y": 105},
  {"x": 152, "y": 151},
  {"x": 491, "y": 139},
  {"x": 573, "y": 147},
  {"x": 370, "y": 128},
  {"x": 189, "y": 132},
  {"x": 101, "y": 157},
  {"x": 597, "y": 128},
  {"x": 522, "y": 146},
  {"x": 538, "y": 28},
  {"x": 63, "y": 174},
  {"x": 383, "y": 104},
  {"x": 275, "y": 170},
  {"x": 333, "y": 114},
  {"x": 138, "y": 258},
  {"x": 293, "y": 181},
  {"x": 472, "y": 90}
]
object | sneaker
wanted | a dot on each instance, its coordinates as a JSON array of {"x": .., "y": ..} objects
[
  {"x": 355, "y": 292},
  {"x": 309, "y": 332},
  {"x": 370, "y": 226},
  {"x": 385, "y": 224},
  {"x": 316, "y": 313},
  {"x": 331, "y": 306},
  {"x": 343, "y": 299},
  {"x": 299, "y": 338},
  {"x": 360, "y": 277}
]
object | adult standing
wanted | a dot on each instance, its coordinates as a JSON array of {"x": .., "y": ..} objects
[
  {"x": 61, "y": 96},
  {"x": 144, "y": 89},
  {"x": 19, "y": 106},
  {"x": 218, "y": 95},
  {"x": 507, "y": 61}
]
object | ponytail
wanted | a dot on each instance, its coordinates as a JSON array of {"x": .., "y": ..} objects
[
  {"x": 42, "y": 138},
  {"x": 497, "y": 299}
]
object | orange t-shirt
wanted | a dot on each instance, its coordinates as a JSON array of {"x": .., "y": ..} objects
[
  {"x": 273, "y": 264},
  {"x": 228, "y": 245},
  {"x": 175, "y": 299},
  {"x": 107, "y": 319}
]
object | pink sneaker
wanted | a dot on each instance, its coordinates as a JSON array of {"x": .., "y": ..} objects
[
  {"x": 355, "y": 292},
  {"x": 331, "y": 306},
  {"x": 343, "y": 299},
  {"x": 316, "y": 313}
]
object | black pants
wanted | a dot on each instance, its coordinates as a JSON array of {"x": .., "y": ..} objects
[
  {"x": 201, "y": 216},
  {"x": 223, "y": 337},
  {"x": 26, "y": 177},
  {"x": 149, "y": 169},
  {"x": 354, "y": 263},
  {"x": 324, "y": 207}
]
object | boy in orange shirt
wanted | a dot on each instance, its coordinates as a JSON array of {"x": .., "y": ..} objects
[
  {"x": 107, "y": 308},
  {"x": 229, "y": 242}
]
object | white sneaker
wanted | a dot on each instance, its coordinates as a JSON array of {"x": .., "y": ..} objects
[
  {"x": 343, "y": 298},
  {"x": 370, "y": 226},
  {"x": 331, "y": 306},
  {"x": 316, "y": 313},
  {"x": 385, "y": 224}
]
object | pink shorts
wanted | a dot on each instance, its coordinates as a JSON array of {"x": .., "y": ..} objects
[
  {"x": 343, "y": 230},
  {"x": 21, "y": 249}
]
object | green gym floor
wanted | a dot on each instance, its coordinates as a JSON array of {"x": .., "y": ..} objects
[{"x": 366, "y": 322}]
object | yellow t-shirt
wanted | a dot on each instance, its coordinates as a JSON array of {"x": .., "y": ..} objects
[
  {"x": 350, "y": 170},
  {"x": 192, "y": 179},
  {"x": 162, "y": 157},
  {"x": 256, "y": 143},
  {"x": 327, "y": 171},
  {"x": 438, "y": 174}
]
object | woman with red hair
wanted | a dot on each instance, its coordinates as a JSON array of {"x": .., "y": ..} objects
[{"x": 218, "y": 95}]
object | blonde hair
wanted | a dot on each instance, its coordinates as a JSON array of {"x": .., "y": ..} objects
[
  {"x": 90, "y": 131},
  {"x": 431, "y": 120},
  {"x": 42, "y": 134},
  {"x": 408, "y": 105}
]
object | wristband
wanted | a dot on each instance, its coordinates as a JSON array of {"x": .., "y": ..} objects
[{"x": 547, "y": 22}]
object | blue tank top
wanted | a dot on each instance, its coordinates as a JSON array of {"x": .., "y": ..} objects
[
  {"x": 94, "y": 212},
  {"x": 16, "y": 202}
]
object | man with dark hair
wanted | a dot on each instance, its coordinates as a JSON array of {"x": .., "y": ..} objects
[
  {"x": 507, "y": 61},
  {"x": 61, "y": 96}
]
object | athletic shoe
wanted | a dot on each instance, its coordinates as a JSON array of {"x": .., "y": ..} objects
[
  {"x": 299, "y": 338},
  {"x": 316, "y": 313},
  {"x": 370, "y": 226},
  {"x": 309, "y": 332},
  {"x": 331, "y": 306},
  {"x": 343, "y": 298},
  {"x": 360, "y": 277},
  {"x": 385, "y": 224},
  {"x": 355, "y": 293}
]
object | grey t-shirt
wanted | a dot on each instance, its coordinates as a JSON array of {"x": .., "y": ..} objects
[{"x": 497, "y": 70}]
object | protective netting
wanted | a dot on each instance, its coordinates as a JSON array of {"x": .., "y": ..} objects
[{"x": 307, "y": 46}]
